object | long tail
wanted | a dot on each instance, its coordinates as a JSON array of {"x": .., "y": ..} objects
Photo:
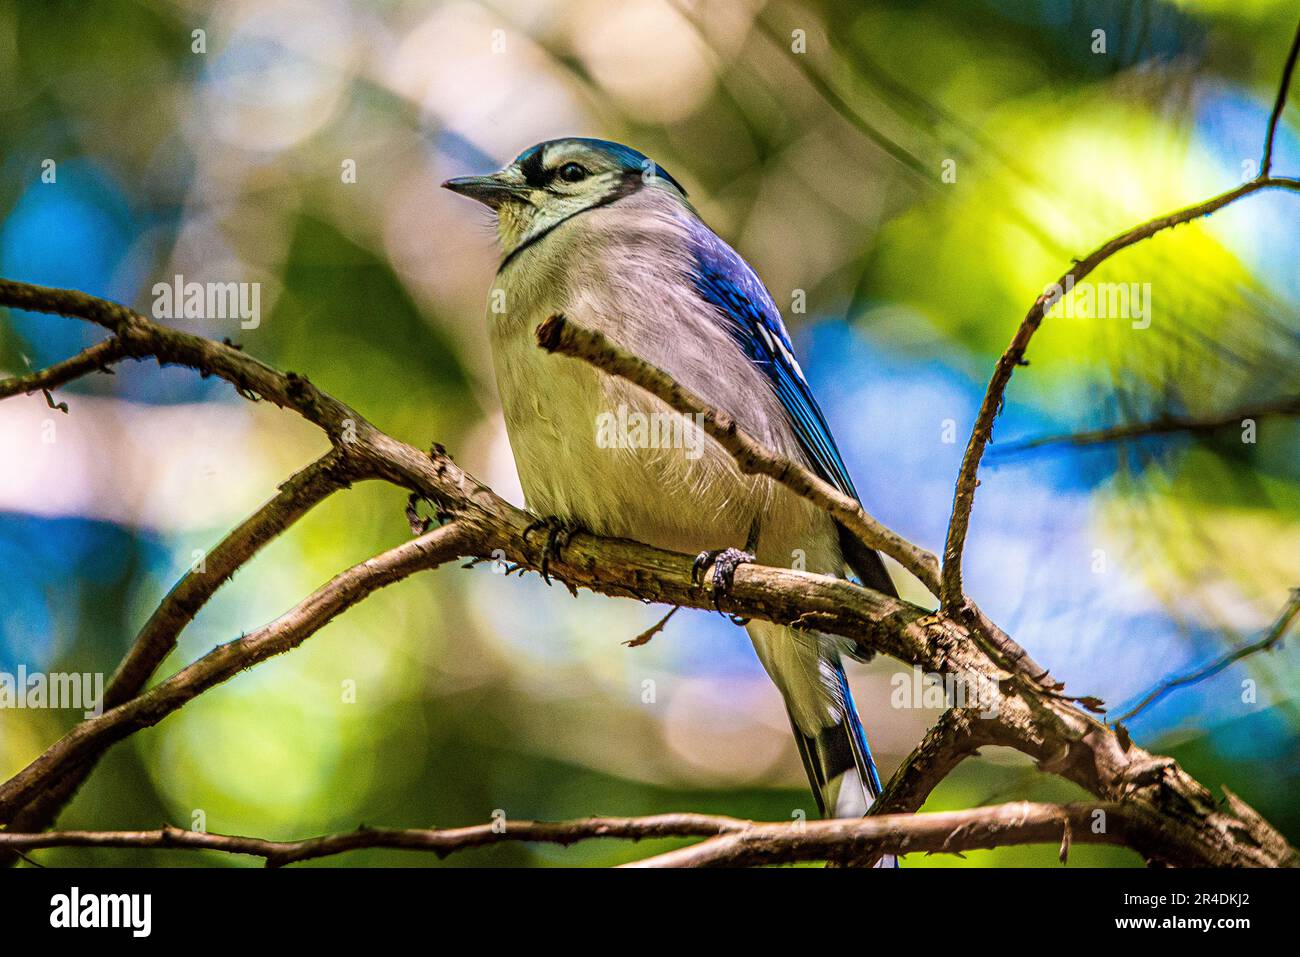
[
  {"x": 836, "y": 756},
  {"x": 806, "y": 669}
]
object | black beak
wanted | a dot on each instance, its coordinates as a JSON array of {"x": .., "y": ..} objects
[{"x": 488, "y": 190}]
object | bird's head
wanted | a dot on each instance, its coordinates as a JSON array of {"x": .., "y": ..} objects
[{"x": 549, "y": 182}]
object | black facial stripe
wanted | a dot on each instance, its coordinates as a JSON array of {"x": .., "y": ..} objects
[
  {"x": 532, "y": 169},
  {"x": 628, "y": 184}
]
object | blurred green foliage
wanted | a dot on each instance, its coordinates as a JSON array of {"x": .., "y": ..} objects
[{"x": 471, "y": 692}]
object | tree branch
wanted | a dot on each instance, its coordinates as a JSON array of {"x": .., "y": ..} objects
[
  {"x": 157, "y": 639},
  {"x": 982, "y": 433},
  {"x": 1279, "y": 105},
  {"x": 1271, "y": 639},
  {"x": 1165, "y": 425},
  {"x": 733, "y": 842},
  {"x": 952, "y": 597},
  {"x": 860, "y": 840},
  {"x": 956, "y": 736},
  {"x": 558, "y": 335},
  {"x": 440, "y": 841},
  {"x": 225, "y": 661},
  {"x": 1188, "y": 828},
  {"x": 139, "y": 338},
  {"x": 1160, "y": 810},
  {"x": 96, "y": 358}
]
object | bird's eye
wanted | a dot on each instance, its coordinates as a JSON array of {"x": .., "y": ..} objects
[{"x": 572, "y": 172}]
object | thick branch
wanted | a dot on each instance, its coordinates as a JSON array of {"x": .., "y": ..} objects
[{"x": 1189, "y": 827}]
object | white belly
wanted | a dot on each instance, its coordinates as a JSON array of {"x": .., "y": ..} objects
[{"x": 583, "y": 454}]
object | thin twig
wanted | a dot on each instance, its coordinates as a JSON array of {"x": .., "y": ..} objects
[
  {"x": 1279, "y": 105},
  {"x": 1165, "y": 425},
  {"x": 440, "y": 841},
  {"x": 982, "y": 433},
  {"x": 96, "y": 358},
  {"x": 645, "y": 636},
  {"x": 891, "y": 148},
  {"x": 1271, "y": 639}
]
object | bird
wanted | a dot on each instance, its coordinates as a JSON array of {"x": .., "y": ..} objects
[{"x": 598, "y": 232}]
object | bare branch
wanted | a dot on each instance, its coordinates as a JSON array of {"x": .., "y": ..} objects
[
  {"x": 441, "y": 841},
  {"x": 1279, "y": 105},
  {"x": 157, "y": 639},
  {"x": 295, "y": 498},
  {"x": 370, "y": 452},
  {"x": 139, "y": 338},
  {"x": 1189, "y": 828},
  {"x": 951, "y": 595},
  {"x": 557, "y": 334},
  {"x": 1271, "y": 639},
  {"x": 225, "y": 661},
  {"x": 860, "y": 840},
  {"x": 982, "y": 433},
  {"x": 733, "y": 842},
  {"x": 96, "y": 358},
  {"x": 1165, "y": 425},
  {"x": 956, "y": 736}
]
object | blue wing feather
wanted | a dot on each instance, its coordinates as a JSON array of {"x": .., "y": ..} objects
[{"x": 743, "y": 304}]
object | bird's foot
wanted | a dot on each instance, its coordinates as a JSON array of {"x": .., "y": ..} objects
[
  {"x": 559, "y": 532},
  {"x": 725, "y": 561}
]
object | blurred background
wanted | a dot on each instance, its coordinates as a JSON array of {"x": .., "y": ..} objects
[{"x": 912, "y": 174}]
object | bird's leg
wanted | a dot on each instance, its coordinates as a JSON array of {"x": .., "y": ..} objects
[
  {"x": 559, "y": 532},
  {"x": 725, "y": 561}
]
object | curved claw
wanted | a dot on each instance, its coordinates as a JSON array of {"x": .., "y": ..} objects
[
  {"x": 559, "y": 532},
  {"x": 725, "y": 561},
  {"x": 702, "y": 561}
]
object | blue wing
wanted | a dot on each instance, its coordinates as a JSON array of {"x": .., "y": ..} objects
[
  {"x": 743, "y": 304},
  {"x": 747, "y": 311}
]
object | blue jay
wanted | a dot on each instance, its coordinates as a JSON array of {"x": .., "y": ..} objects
[{"x": 600, "y": 233}]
